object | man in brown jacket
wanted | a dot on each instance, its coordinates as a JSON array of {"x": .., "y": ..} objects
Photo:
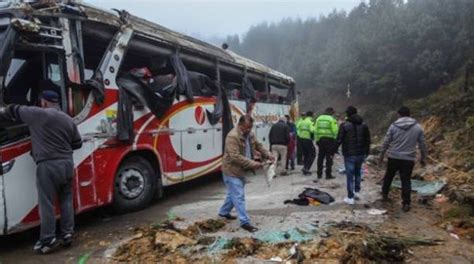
[{"x": 241, "y": 147}]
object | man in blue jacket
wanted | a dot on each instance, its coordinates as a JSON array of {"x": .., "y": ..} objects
[{"x": 400, "y": 143}]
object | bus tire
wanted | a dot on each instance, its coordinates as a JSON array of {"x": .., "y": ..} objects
[{"x": 135, "y": 185}]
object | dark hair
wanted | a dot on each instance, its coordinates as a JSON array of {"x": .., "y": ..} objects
[
  {"x": 245, "y": 119},
  {"x": 329, "y": 111},
  {"x": 309, "y": 113},
  {"x": 351, "y": 110},
  {"x": 404, "y": 111}
]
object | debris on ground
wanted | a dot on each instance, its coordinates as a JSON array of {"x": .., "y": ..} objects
[
  {"x": 346, "y": 242},
  {"x": 374, "y": 211},
  {"x": 423, "y": 188},
  {"x": 311, "y": 196}
]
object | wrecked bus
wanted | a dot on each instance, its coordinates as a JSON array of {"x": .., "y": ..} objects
[{"x": 152, "y": 105}]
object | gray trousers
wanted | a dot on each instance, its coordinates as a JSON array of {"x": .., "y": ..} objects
[{"x": 54, "y": 180}]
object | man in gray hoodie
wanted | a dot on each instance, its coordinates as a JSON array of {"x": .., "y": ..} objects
[{"x": 400, "y": 143}]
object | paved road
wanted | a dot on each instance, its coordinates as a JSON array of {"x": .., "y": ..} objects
[
  {"x": 199, "y": 200},
  {"x": 98, "y": 229}
]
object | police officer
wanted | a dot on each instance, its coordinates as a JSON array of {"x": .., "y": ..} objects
[
  {"x": 54, "y": 136},
  {"x": 305, "y": 129},
  {"x": 325, "y": 135}
]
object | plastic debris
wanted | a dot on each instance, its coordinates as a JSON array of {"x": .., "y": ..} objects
[
  {"x": 294, "y": 235},
  {"x": 276, "y": 259},
  {"x": 454, "y": 236},
  {"x": 424, "y": 188},
  {"x": 376, "y": 211},
  {"x": 270, "y": 172}
]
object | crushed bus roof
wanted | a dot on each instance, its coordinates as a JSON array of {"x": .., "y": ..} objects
[{"x": 160, "y": 33}]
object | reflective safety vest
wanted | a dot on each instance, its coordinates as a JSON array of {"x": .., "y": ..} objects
[
  {"x": 325, "y": 127},
  {"x": 304, "y": 128}
]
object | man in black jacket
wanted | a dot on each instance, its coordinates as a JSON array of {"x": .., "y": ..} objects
[
  {"x": 354, "y": 136},
  {"x": 279, "y": 138}
]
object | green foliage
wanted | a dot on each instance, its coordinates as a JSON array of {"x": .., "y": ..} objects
[{"x": 387, "y": 50}]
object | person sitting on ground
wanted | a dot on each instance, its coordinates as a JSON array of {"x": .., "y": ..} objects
[
  {"x": 279, "y": 138},
  {"x": 354, "y": 136},
  {"x": 400, "y": 143},
  {"x": 241, "y": 147}
]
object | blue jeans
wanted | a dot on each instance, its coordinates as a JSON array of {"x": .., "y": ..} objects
[
  {"x": 235, "y": 198},
  {"x": 353, "y": 166}
]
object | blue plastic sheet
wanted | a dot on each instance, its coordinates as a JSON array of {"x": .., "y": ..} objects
[{"x": 424, "y": 188}]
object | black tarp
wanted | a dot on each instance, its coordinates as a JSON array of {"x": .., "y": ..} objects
[
  {"x": 125, "y": 117},
  {"x": 182, "y": 77},
  {"x": 96, "y": 85},
  {"x": 158, "y": 95},
  {"x": 157, "y": 99}
]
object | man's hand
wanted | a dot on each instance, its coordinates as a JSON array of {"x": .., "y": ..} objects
[
  {"x": 422, "y": 163},
  {"x": 257, "y": 165},
  {"x": 381, "y": 159},
  {"x": 271, "y": 158}
]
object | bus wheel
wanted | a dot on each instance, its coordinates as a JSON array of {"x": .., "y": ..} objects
[{"x": 135, "y": 185}]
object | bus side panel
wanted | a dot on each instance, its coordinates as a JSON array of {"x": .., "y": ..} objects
[
  {"x": 266, "y": 115},
  {"x": 2, "y": 206},
  {"x": 107, "y": 162},
  {"x": 21, "y": 194}
]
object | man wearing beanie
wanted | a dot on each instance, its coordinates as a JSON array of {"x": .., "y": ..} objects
[
  {"x": 354, "y": 136},
  {"x": 400, "y": 143},
  {"x": 54, "y": 136}
]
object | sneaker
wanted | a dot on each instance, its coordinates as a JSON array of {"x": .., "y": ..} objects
[
  {"x": 228, "y": 216},
  {"x": 348, "y": 200},
  {"x": 406, "y": 208},
  {"x": 46, "y": 248},
  {"x": 249, "y": 228},
  {"x": 67, "y": 240},
  {"x": 330, "y": 177},
  {"x": 357, "y": 196}
]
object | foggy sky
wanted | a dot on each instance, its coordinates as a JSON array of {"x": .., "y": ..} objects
[{"x": 207, "y": 19}]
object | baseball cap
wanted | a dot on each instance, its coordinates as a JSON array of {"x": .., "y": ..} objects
[{"x": 50, "y": 96}]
